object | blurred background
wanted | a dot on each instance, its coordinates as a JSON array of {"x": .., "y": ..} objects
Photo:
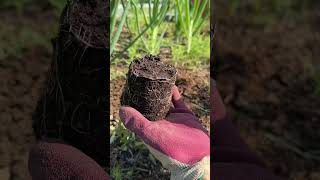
[
  {"x": 26, "y": 29},
  {"x": 267, "y": 62}
]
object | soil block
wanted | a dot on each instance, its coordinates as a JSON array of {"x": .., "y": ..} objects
[
  {"x": 73, "y": 106},
  {"x": 149, "y": 87}
]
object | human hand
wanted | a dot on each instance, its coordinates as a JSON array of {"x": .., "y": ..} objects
[
  {"x": 179, "y": 141},
  {"x": 52, "y": 159}
]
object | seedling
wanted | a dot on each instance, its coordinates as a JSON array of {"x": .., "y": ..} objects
[
  {"x": 155, "y": 17},
  {"x": 190, "y": 17}
]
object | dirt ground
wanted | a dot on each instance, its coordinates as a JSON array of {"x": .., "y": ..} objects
[
  {"x": 21, "y": 80},
  {"x": 265, "y": 77},
  {"x": 194, "y": 86},
  {"x": 20, "y": 84}
]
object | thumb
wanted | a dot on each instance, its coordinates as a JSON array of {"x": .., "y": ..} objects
[{"x": 133, "y": 120}]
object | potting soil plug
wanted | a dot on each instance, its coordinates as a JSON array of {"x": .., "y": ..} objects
[
  {"x": 74, "y": 101},
  {"x": 149, "y": 87}
]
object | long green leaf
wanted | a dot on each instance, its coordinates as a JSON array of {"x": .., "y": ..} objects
[
  {"x": 195, "y": 9},
  {"x": 186, "y": 5},
  {"x": 180, "y": 17},
  {"x": 199, "y": 24},
  {"x": 114, "y": 8},
  {"x": 133, "y": 41},
  {"x": 201, "y": 11},
  {"x": 119, "y": 30}
]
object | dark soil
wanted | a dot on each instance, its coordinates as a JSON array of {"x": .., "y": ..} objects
[
  {"x": 265, "y": 76},
  {"x": 87, "y": 20},
  {"x": 149, "y": 87},
  {"x": 194, "y": 86},
  {"x": 20, "y": 85},
  {"x": 74, "y": 102},
  {"x": 21, "y": 81}
]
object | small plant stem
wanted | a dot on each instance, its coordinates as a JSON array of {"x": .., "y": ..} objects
[
  {"x": 190, "y": 37},
  {"x": 116, "y": 36},
  {"x": 154, "y": 40}
]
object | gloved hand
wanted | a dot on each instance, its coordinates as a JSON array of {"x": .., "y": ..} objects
[
  {"x": 179, "y": 141},
  {"x": 52, "y": 159}
]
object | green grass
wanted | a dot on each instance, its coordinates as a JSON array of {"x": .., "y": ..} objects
[
  {"x": 21, "y": 5},
  {"x": 199, "y": 55},
  {"x": 125, "y": 141},
  {"x": 190, "y": 18},
  {"x": 15, "y": 42},
  {"x": 116, "y": 172},
  {"x": 197, "y": 58}
]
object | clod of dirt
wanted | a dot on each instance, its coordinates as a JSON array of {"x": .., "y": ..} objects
[{"x": 149, "y": 87}]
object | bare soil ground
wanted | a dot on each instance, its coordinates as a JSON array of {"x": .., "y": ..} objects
[
  {"x": 21, "y": 80},
  {"x": 20, "y": 85},
  {"x": 265, "y": 77}
]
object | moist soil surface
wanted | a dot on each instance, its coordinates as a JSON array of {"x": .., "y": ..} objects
[{"x": 266, "y": 80}]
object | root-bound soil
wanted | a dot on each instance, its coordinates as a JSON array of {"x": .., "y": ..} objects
[
  {"x": 74, "y": 101},
  {"x": 149, "y": 87}
]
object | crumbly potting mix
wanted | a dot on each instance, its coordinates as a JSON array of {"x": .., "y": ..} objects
[{"x": 149, "y": 87}]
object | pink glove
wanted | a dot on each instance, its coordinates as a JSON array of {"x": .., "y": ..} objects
[
  {"x": 180, "y": 142},
  {"x": 52, "y": 159}
]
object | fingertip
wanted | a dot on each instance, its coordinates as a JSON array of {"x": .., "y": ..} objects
[
  {"x": 175, "y": 93},
  {"x": 177, "y": 99},
  {"x": 124, "y": 112},
  {"x": 132, "y": 118}
]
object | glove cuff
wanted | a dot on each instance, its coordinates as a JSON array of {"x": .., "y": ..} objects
[
  {"x": 179, "y": 170},
  {"x": 197, "y": 171}
]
